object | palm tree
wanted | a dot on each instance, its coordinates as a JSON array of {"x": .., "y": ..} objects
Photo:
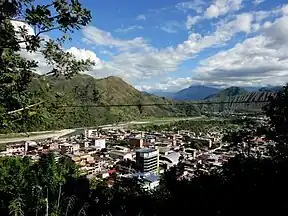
[{"x": 16, "y": 207}]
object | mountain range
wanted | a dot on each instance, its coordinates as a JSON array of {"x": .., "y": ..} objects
[
  {"x": 84, "y": 101},
  {"x": 200, "y": 92}
]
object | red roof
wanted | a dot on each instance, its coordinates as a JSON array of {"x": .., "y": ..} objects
[{"x": 111, "y": 171}]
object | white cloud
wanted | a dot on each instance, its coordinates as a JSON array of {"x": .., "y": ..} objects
[
  {"x": 38, "y": 57},
  {"x": 244, "y": 22},
  {"x": 196, "y": 5},
  {"x": 285, "y": 10},
  {"x": 128, "y": 29},
  {"x": 172, "y": 26},
  {"x": 212, "y": 11},
  {"x": 278, "y": 31},
  {"x": 257, "y": 2},
  {"x": 102, "y": 38},
  {"x": 141, "y": 17},
  {"x": 224, "y": 33},
  {"x": 222, "y": 7},
  {"x": 18, "y": 25},
  {"x": 85, "y": 54},
  {"x": 192, "y": 21},
  {"x": 170, "y": 84},
  {"x": 267, "y": 24},
  {"x": 259, "y": 60},
  {"x": 149, "y": 63}
]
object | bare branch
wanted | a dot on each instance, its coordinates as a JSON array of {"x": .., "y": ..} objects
[
  {"x": 47, "y": 30},
  {"x": 19, "y": 20},
  {"x": 25, "y": 108}
]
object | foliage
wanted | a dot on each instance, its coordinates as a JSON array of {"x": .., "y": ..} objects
[
  {"x": 23, "y": 26},
  {"x": 196, "y": 126},
  {"x": 26, "y": 185}
]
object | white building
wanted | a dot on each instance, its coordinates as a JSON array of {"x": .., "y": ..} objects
[
  {"x": 90, "y": 133},
  {"x": 17, "y": 148},
  {"x": 170, "y": 159},
  {"x": 100, "y": 143}
]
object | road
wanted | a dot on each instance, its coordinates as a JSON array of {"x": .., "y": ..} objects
[
  {"x": 37, "y": 137},
  {"x": 52, "y": 134}
]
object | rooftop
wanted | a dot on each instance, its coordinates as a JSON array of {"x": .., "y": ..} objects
[{"x": 146, "y": 150}]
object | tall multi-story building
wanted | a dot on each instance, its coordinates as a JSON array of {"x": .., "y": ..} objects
[{"x": 147, "y": 160}]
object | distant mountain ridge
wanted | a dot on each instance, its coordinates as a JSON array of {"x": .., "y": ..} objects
[
  {"x": 228, "y": 92},
  {"x": 191, "y": 93},
  {"x": 251, "y": 101},
  {"x": 200, "y": 92}
]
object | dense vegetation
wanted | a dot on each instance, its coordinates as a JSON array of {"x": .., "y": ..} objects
[{"x": 23, "y": 25}]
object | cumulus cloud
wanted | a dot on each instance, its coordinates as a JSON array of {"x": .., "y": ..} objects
[
  {"x": 99, "y": 37},
  {"x": 278, "y": 31},
  {"x": 139, "y": 66},
  {"x": 244, "y": 22},
  {"x": 262, "y": 60},
  {"x": 222, "y": 7},
  {"x": 223, "y": 33},
  {"x": 85, "y": 54}
]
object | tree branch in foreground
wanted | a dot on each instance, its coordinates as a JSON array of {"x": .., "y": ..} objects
[{"x": 25, "y": 108}]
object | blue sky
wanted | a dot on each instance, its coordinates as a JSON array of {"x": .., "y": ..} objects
[{"x": 171, "y": 44}]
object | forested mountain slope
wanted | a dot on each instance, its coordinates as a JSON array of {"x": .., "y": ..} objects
[
  {"x": 252, "y": 101},
  {"x": 85, "y": 101}
]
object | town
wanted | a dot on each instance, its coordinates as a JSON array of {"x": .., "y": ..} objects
[{"x": 127, "y": 153}]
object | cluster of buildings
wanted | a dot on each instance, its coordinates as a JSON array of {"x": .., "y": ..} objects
[{"x": 130, "y": 153}]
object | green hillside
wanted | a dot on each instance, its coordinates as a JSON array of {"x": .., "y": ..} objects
[{"x": 84, "y": 101}]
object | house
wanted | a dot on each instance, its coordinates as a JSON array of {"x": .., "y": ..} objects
[
  {"x": 69, "y": 148},
  {"x": 17, "y": 148},
  {"x": 136, "y": 142},
  {"x": 121, "y": 155},
  {"x": 99, "y": 143}
]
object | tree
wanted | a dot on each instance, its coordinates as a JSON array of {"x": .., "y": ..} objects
[
  {"x": 23, "y": 26},
  {"x": 277, "y": 112}
]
